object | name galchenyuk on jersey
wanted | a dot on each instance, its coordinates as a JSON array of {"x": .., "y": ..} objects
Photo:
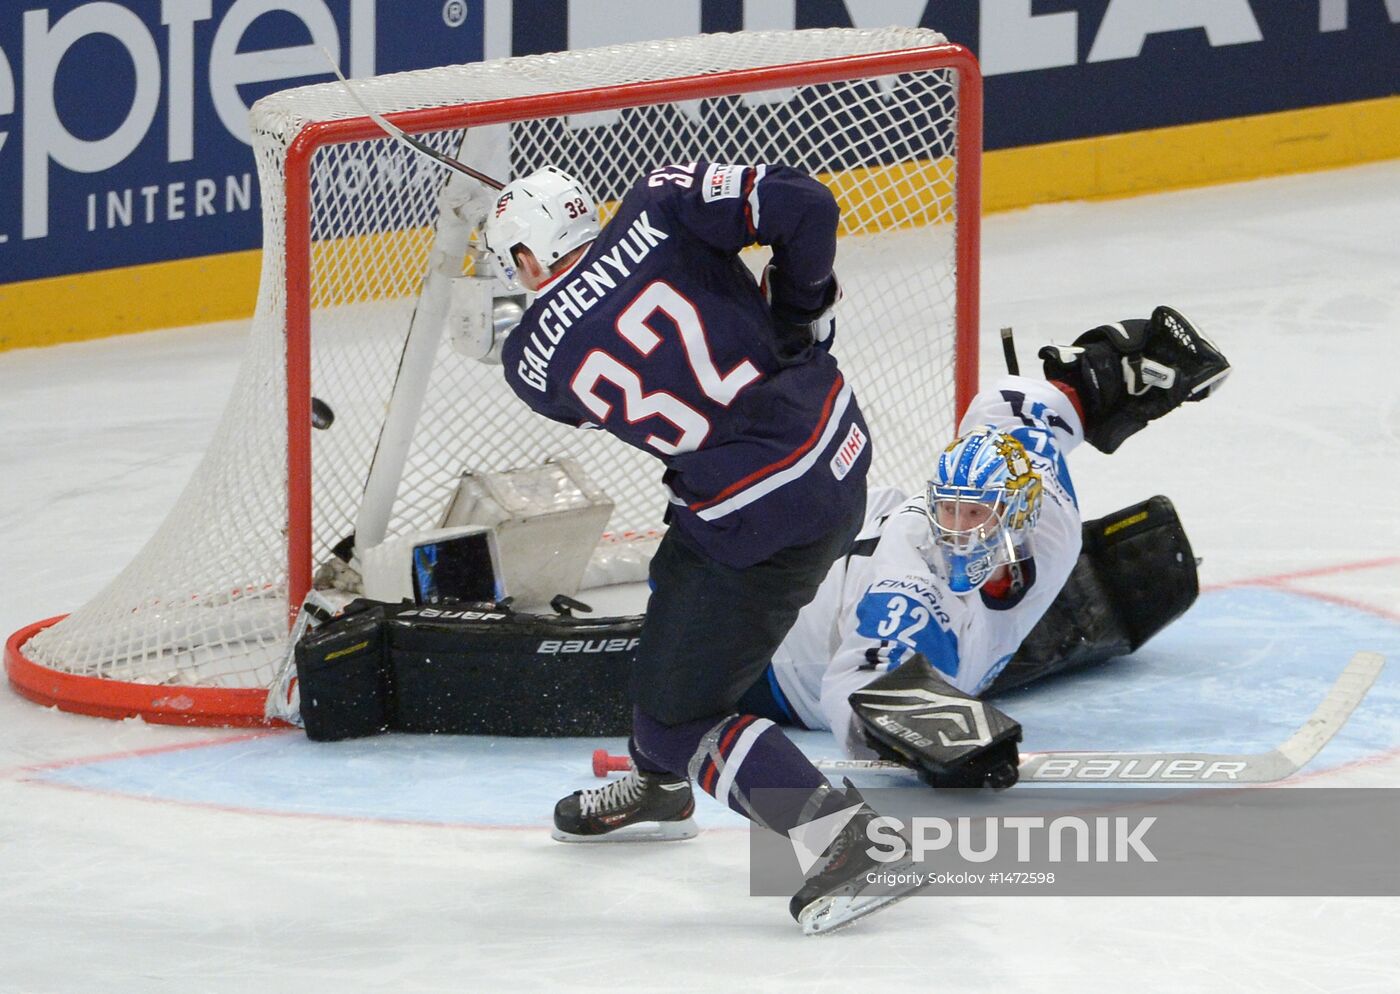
[{"x": 581, "y": 293}]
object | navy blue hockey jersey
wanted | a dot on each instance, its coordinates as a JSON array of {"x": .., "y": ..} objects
[{"x": 660, "y": 335}]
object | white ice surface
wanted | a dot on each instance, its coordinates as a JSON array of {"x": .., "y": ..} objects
[{"x": 138, "y": 858}]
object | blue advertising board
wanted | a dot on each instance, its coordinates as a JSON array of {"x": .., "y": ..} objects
[
  {"x": 126, "y": 135},
  {"x": 123, "y": 126}
]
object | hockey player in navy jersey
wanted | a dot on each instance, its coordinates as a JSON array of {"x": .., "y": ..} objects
[{"x": 654, "y": 330}]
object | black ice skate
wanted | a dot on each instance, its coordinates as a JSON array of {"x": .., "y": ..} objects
[
  {"x": 837, "y": 894},
  {"x": 640, "y": 807}
]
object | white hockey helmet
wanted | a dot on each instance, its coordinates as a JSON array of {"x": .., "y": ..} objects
[{"x": 548, "y": 211}]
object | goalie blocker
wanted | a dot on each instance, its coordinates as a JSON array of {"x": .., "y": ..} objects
[{"x": 913, "y": 716}]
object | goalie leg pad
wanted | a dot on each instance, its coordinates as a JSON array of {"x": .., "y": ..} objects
[
  {"x": 1144, "y": 559},
  {"x": 466, "y": 669},
  {"x": 1080, "y": 628},
  {"x": 343, "y": 677},
  {"x": 913, "y": 716},
  {"x": 1135, "y": 575}
]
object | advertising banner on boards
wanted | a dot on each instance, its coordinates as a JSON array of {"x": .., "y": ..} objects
[{"x": 123, "y": 126}]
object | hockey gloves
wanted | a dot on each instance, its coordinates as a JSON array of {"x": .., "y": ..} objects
[
  {"x": 1135, "y": 371},
  {"x": 914, "y": 716},
  {"x": 799, "y": 329}
]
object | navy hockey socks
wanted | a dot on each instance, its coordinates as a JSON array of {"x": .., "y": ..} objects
[{"x": 731, "y": 758}]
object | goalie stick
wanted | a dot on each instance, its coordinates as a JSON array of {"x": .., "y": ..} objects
[
  {"x": 1008, "y": 351},
  {"x": 450, "y": 244},
  {"x": 1156, "y": 767}
]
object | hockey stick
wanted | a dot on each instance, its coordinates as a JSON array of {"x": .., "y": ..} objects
[
  {"x": 398, "y": 134},
  {"x": 1156, "y": 767},
  {"x": 1008, "y": 351},
  {"x": 451, "y": 239}
]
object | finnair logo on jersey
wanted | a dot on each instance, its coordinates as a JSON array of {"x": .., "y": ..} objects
[{"x": 848, "y": 453}]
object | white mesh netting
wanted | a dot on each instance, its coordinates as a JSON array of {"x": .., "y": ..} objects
[{"x": 205, "y": 602}]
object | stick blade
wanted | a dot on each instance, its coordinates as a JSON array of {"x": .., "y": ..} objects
[
  {"x": 1184, "y": 768},
  {"x": 1353, "y": 684}
]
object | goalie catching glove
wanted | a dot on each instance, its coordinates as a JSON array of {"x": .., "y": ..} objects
[{"x": 1135, "y": 371}]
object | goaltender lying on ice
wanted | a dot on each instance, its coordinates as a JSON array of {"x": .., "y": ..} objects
[
  {"x": 484, "y": 668},
  {"x": 925, "y": 615}
]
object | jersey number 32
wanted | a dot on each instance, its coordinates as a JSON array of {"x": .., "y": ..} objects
[{"x": 691, "y": 427}]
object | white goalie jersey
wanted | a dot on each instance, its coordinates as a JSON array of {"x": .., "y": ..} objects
[{"x": 886, "y": 601}]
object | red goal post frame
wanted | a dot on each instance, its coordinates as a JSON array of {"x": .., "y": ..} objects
[
  {"x": 216, "y": 706},
  {"x": 231, "y": 707},
  {"x": 313, "y": 137}
]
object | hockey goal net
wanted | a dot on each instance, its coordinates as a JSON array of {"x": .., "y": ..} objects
[{"x": 359, "y": 239}]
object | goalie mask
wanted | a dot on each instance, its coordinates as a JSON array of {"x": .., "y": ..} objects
[
  {"x": 548, "y": 211},
  {"x": 983, "y": 502}
]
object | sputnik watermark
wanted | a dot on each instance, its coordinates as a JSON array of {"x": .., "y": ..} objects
[
  {"x": 1033, "y": 838},
  {"x": 1101, "y": 839},
  {"x": 960, "y": 878},
  {"x": 1096, "y": 841}
]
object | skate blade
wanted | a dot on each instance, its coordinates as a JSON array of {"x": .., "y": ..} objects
[
  {"x": 836, "y": 911},
  {"x": 642, "y": 831}
]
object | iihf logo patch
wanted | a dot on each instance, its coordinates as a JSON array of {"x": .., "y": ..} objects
[{"x": 848, "y": 453}]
